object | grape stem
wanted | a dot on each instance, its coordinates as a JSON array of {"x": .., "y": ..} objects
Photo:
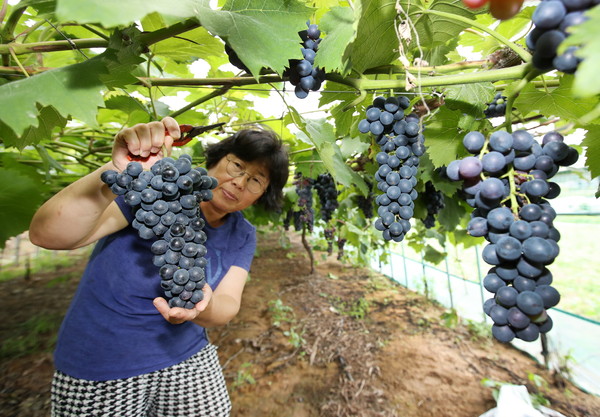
[
  {"x": 530, "y": 75},
  {"x": 513, "y": 191},
  {"x": 525, "y": 56}
]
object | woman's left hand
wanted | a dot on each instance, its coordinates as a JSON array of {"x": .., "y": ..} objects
[{"x": 178, "y": 315}]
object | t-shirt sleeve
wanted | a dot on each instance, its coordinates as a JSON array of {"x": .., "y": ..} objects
[
  {"x": 125, "y": 208},
  {"x": 247, "y": 249}
]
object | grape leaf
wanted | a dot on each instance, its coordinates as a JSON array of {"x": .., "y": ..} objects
[
  {"x": 558, "y": 102},
  {"x": 258, "y": 31},
  {"x": 20, "y": 196},
  {"x": 471, "y": 98},
  {"x": 592, "y": 152},
  {"x": 339, "y": 25},
  {"x": 435, "y": 30},
  {"x": 442, "y": 137},
  {"x": 194, "y": 44},
  {"x": 74, "y": 91},
  {"x": 353, "y": 146},
  {"x": 375, "y": 40},
  {"x": 122, "y": 56},
  {"x": 48, "y": 119},
  {"x": 112, "y": 13},
  {"x": 321, "y": 134}
]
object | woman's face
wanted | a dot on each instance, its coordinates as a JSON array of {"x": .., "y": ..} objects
[{"x": 236, "y": 192}]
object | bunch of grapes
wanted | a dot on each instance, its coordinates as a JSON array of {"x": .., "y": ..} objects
[
  {"x": 553, "y": 20},
  {"x": 365, "y": 204},
  {"x": 303, "y": 75},
  {"x": 496, "y": 107},
  {"x": 506, "y": 181},
  {"x": 328, "y": 194},
  {"x": 341, "y": 243},
  {"x": 329, "y": 233},
  {"x": 434, "y": 202},
  {"x": 306, "y": 215},
  {"x": 165, "y": 202},
  {"x": 401, "y": 144}
]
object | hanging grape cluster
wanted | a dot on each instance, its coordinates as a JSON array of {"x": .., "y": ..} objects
[
  {"x": 302, "y": 73},
  {"x": 434, "y": 202},
  {"x": 401, "y": 144},
  {"x": 366, "y": 204},
  {"x": 496, "y": 107},
  {"x": 165, "y": 202},
  {"x": 506, "y": 181},
  {"x": 305, "y": 216},
  {"x": 328, "y": 195},
  {"x": 553, "y": 19}
]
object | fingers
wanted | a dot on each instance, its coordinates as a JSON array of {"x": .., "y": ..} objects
[
  {"x": 145, "y": 139},
  {"x": 174, "y": 315}
]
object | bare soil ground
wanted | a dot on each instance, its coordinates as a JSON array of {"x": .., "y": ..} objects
[{"x": 343, "y": 341}]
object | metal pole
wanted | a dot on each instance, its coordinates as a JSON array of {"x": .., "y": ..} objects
[
  {"x": 405, "y": 270},
  {"x": 480, "y": 280}
]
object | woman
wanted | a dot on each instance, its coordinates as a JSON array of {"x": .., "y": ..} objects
[{"x": 122, "y": 351}]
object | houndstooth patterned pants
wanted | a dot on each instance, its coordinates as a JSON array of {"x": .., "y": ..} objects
[{"x": 193, "y": 388}]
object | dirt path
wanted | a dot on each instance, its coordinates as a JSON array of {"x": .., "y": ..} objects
[{"x": 344, "y": 341}]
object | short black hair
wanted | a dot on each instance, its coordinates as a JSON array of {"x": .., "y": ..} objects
[{"x": 257, "y": 144}]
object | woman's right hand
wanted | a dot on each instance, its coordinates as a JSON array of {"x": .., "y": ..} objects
[{"x": 145, "y": 140}]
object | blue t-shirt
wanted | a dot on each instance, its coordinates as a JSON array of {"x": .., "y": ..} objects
[{"x": 112, "y": 330}]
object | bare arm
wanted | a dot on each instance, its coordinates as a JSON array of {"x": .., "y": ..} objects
[
  {"x": 85, "y": 211},
  {"x": 217, "y": 308}
]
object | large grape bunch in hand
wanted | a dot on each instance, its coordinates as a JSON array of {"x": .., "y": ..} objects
[
  {"x": 165, "y": 203},
  {"x": 507, "y": 182},
  {"x": 500, "y": 9}
]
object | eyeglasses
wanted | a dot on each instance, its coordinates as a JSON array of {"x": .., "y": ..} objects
[{"x": 255, "y": 184}]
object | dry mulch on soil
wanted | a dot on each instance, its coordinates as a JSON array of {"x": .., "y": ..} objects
[{"x": 343, "y": 341}]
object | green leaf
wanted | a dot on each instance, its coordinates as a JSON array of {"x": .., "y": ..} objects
[
  {"x": 452, "y": 213},
  {"x": 188, "y": 47},
  {"x": 73, "y": 91},
  {"x": 375, "y": 41},
  {"x": 592, "y": 152},
  {"x": 442, "y": 138},
  {"x": 587, "y": 35},
  {"x": 558, "y": 102},
  {"x": 259, "y": 30},
  {"x": 435, "y": 30},
  {"x": 340, "y": 26},
  {"x": 122, "y": 57},
  {"x": 48, "y": 119},
  {"x": 20, "y": 196},
  {"x": 112, "y": 13},
  {"x": 321, "y": 134},
  {"x": 353, "y": 146},
  {"x": 471, "y": 98}
]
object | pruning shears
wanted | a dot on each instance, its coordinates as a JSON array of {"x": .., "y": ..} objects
[{"x": 188, "y": 132}]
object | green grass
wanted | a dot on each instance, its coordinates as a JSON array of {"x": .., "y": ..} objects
[
  {"x": 45, "y": 261},
  {"x": 38, "y": 334}
]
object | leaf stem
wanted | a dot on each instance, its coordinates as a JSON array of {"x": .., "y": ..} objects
[
  {"x": 531, "y": 74},
  {"x": 3, "y": 10},
  {"x": 213, "y": 94},
  {"x": 525, "y": 56},
  {"x": 23, "y": 70}
]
